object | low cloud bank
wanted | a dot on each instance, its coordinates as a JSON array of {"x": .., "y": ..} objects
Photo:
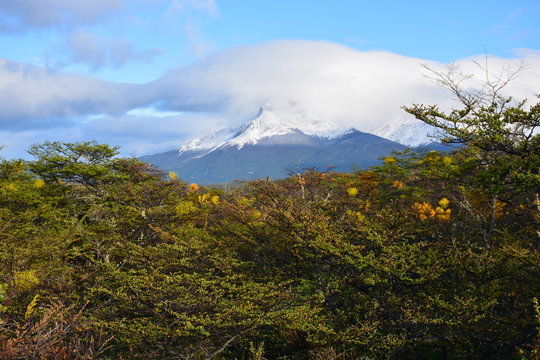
[{"x": 351, "y": 88}]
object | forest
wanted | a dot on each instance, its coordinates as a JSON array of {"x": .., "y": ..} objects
[{"x": 431, "y": 255}]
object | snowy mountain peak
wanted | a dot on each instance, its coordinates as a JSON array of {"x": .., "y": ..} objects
[{"x": 268, "y": 122}]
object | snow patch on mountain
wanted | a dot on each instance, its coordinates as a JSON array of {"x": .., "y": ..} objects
[
  {"x": 208, "y": 141},
  {"x": 268, "y": 123},
  {"x": 409, "y": 132}
]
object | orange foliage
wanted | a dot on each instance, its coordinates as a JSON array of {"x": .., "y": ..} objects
[{"x": 424, "y": 210}]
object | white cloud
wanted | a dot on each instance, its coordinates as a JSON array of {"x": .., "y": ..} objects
[
  {"x": 350, "y": 88},
  {"x": 31, "y": 96}
]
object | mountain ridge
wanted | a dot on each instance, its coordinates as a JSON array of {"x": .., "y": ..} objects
[{"x": 276, "y": 141}]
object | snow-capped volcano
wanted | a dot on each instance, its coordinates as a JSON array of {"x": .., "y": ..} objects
[
  {"x": 269, "y": 145},
  {"x": 277, "y": 140},
  {"x": 268, "y": 123}
]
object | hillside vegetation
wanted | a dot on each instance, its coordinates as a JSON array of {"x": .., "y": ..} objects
[{"x": 428, "y": 256}]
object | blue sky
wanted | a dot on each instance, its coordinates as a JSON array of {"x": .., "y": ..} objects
[{"x": 150, "y": 74}]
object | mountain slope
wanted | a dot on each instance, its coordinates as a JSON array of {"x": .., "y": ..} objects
[{"x": 276, "y": 157}]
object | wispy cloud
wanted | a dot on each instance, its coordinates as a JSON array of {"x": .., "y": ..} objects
[
  {"x": 96, "y": 52},
  {"x": 23, "y": 15},
  {"x": 185, "y": 7},
  {"x": 188, "y": 15},
  {"x": 70, "y": 19},
  {"x": 511, "y": 28}
]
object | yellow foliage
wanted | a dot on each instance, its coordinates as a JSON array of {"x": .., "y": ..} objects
[
  {"x": 352, "y": 191},
  {"x": 424, "y": 210},
  {"x": 444, "y": 202},
  {"x": 39, "y": 183},
  {"x": 447, "y": 160},
  {"x": 443, "y": 214},
  {"x": 193, "y": 187},
  {"x": 245, "y": 201},
  {"x": 25, "y": 280},
  {"x": 172, "y": 175},
  {"x": 205, "y": 198},
  {"x": 431, "y": 158},
  {"x": 389, "y": 160},
  {"x": 31, "y": 307},
  {"x": 256, "y": 214},
  {"x": 398, "y": 184}
]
